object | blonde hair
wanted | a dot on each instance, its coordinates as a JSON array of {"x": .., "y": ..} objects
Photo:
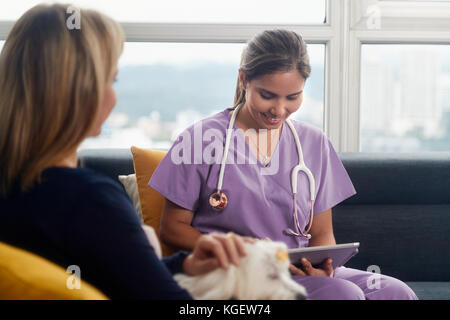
[
  {"x": 272, "y": 51},
  {"x": 52, "y": 83}
]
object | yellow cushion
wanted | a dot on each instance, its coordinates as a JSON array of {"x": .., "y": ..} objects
[
  {"x": 145, "y": 163},
  {"x": 26, "y": 276}
]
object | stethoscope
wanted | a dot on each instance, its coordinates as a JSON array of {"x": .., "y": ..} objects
[{"x": 218, "y": 200}]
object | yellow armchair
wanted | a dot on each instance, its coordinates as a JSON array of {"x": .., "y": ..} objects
[{"x": 26, "y": 276}]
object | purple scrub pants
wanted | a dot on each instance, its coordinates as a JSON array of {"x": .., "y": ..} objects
[{"x": 353, "y": 284}]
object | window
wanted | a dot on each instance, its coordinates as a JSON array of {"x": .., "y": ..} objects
[
  {"x": 355, "y": 49},
  {"x": 395, "y": 75},
  {"x": 405, "y": 98},
  {"x": 194, "y": 11},
  {"x": 163, "y": 88}
]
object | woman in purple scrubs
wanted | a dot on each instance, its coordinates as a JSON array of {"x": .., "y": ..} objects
[{"x": 257, "y": 175}]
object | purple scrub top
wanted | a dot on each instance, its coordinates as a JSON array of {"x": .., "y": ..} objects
[{"x": 260, "y": 200}]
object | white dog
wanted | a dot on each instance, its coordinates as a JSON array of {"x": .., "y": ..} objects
[{"x": 262, "y": 275}]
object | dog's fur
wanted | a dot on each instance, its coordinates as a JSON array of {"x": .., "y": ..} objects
[{"x": 262, "y": 275}]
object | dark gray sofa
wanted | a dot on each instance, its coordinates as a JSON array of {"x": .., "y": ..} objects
[{"x": 400, "y": 215}]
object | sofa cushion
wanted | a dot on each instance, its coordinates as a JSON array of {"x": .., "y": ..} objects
[
  {"x": 130, "y": 184},
  {"x": 431, "y": 290},
  {"x": 400, "y": 214},
  {"x": 409, "y": 242},
  {"x": 398, "y": 178},
  {"x": 110, "y": 162},
  {"x": 145, "y": 163}
]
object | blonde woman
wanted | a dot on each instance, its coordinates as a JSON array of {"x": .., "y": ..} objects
[{"x": 56, "y": 89}]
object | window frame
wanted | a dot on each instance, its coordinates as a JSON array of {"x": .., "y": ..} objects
[
  {"x": 343, "y": 34},
  {"x": 401, "y": 22}
]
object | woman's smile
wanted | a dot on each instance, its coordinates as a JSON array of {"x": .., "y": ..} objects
[
  {"x": 270, "y": 120},
  {"x": 270, "y": 99}
]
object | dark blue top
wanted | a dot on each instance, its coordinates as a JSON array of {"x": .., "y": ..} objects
[{"x": 79, "y": 217}]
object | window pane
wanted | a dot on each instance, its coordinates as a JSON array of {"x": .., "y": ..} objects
[
  {"x": 405, "y": 98},
  {"x": 197, "y": 11},
  {"x": 418, "y": 0},
  {"x": 163, "y": 88}
]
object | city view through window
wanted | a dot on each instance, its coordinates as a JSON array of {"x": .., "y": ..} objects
[
  {"x": 162, "y": 88},
  {"x": 405, "y": 98}
]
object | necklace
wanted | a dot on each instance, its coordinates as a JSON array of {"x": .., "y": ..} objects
[{"x": 264, "y": 158}]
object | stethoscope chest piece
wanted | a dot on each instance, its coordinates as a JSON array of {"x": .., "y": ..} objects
[{"x": 218, "y": 201}]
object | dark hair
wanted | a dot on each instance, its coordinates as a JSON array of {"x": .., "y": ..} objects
[{"x": 272, "y": 51}]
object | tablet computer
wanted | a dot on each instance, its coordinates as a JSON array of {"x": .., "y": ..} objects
[{"x": 340, "y": 254}]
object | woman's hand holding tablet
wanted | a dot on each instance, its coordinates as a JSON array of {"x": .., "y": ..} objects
[{"x": 318, "y": 257}]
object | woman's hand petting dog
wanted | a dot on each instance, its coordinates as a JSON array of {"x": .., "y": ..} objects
[
  {"x": 262, "y": 274},
  {"x": 325, "y": 269},
  {"x": 215, "y": 250}
]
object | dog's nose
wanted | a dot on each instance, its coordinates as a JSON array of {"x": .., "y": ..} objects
[{"x": 300, "y": 296}]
